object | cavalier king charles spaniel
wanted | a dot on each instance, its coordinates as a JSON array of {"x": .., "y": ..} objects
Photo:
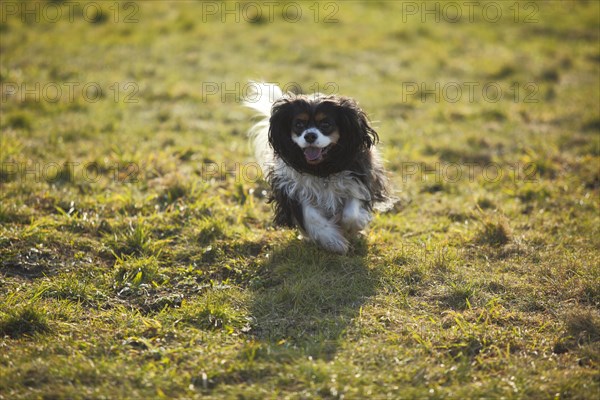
[{"x": 317, "y": 154}]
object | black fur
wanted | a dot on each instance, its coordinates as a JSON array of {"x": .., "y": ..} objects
[
  {"x": 288, "y": 212},
  {"x": 373, "y": 177}
]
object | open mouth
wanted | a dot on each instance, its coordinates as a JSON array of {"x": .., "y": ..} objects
[{"x": 315, "y": 155}]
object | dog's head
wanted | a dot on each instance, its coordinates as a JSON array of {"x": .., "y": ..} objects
[{"x": 319, "y": 134}]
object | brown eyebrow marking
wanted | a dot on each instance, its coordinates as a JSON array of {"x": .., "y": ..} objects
[
  {"x": 334, "y": 136},
  {"x": 320, "y": 117},
  {"x": 303, "y": 116}
]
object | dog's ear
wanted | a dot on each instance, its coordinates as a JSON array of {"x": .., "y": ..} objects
[
  {"x": 280, "y": 124},
  {"x": 354, "y": 123}
]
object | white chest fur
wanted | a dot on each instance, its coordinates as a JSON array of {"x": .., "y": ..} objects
[{"x": 328, "y": 194}]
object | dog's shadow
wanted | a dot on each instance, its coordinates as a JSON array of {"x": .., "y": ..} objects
[{"x": 306, "y": 298}]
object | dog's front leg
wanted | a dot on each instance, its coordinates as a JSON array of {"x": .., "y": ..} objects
[
  {"x": 355, "y": 217},
  {"x": 323, "y": 231}
]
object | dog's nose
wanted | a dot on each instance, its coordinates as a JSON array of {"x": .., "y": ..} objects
[{"x": 310, "y": 137}]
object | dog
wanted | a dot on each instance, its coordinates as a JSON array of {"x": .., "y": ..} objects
[{"x": 317, "y": 152}]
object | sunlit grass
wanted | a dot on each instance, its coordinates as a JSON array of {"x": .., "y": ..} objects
[{"x": 137, "y": 257}]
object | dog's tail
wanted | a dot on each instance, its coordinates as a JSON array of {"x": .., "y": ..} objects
[{"x": 261, "y": 97}]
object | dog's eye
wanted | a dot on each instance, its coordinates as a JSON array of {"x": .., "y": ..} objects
[
  {"x": 299, "y": 124},
  {"x": 325, "y": 126}
]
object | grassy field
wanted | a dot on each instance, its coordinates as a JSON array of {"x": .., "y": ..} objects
[{"x": 137, "y": 255}]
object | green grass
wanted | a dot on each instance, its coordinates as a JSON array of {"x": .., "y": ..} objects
[{"x": 137, "y": 256}]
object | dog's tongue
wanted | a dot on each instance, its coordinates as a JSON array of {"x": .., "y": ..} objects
[{"x": 312, "y": 153}]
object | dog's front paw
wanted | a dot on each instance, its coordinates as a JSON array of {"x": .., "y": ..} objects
[
  {"x": 326, "y": 233},
  {"x": 336, "y": 243},
  {"x": 355, "y": 219}
]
